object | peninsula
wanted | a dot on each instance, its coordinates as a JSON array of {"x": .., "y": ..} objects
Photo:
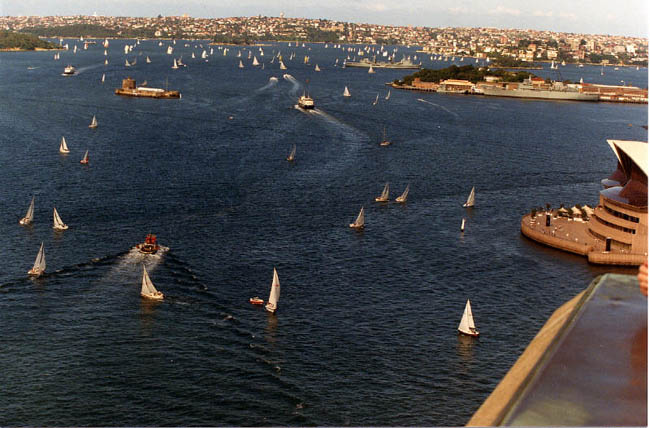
[{"x": 11, "y": 41}]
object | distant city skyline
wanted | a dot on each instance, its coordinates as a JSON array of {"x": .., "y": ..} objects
[{"x": 626, "y": 18}]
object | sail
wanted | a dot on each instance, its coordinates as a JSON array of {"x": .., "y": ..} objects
[
  {"x": 39, "y": 263},
  {"x": 255, "y": 61},
  {"x": 292, "y": 154},
  {"x": 148, "y": 288},
  {"x": 467, "y": 322},
  {"x": 404, "y": 195},
  {"x": 376, "y": 100},
  {"x": 317, "y": 68},
  {"x": 360, "y": 221},
  {"x": 85, "y": 158},
  {"x": 282, "y": 66},
  {"x": 370, "y": 70},
  {"x": 58, "y": 223},
  {"x": 93, "y": 123},
  {"x": 148, "y": 61},
  {"x": 30, "y": 213},
  {"x": 63, "y": 148},
  {"x": 175, "y": 66},
  {"x": 204, "y": 54},
  {"x": 346, "y": 92},
  {"x": 241, "y": 65},
  {"x": 388, "y": 95},
  {"x": 384, "y": 193},
  {"x": 103, "y": 77},
  {"x": 272, "y": 305},
  {"x": 470, "y": 199}
]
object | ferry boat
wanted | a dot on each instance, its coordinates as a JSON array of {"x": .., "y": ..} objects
[
  {"x": 150, "y": 246},
  {"x": 69, "y": 71},
  {"x": 305, "y": 102}
]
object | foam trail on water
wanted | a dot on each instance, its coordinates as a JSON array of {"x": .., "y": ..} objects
[
  {"x": 272, "y": 82},
  {"x": 438, "y": 105},
  {"x": 296, "y": 85}
]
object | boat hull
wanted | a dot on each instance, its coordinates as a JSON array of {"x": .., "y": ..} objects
[
  {"x": 158, "y": 297},
  {"x": 540, "y": 94},
  {"x": 35, "y": 272},
  {"x": 256, "y": 301},
  {"x": 24, "y": 222},
  {"x": 148, "y": 248},
  {"x": 470, "y": 334}
]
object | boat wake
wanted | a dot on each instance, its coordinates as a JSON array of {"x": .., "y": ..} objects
[
  {"x": 296, "y": 85},
  {"x": 343, "y": 127},
  {"x": 272, "y": 82},
  {"x": 438, "y": 105},
  {"x": 89, "y": 67}
]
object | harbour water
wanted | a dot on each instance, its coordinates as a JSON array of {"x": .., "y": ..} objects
[{"x": 365, "y": 333}]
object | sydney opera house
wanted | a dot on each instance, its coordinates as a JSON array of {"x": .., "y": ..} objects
[{"x": 616, "y": 231}]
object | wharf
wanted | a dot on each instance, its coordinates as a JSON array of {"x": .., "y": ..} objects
[{"x": 573, "y": 235}]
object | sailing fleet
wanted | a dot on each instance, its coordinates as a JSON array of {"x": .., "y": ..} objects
[{"x": 148, "y": 290}]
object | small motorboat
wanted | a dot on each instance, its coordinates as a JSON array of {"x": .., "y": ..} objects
[
  {"x": 69, "y": 71},
  {"x": 150, "y": 246},
  {"x": 256, "y": 301}
]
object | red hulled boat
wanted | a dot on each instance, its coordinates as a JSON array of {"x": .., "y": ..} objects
[{"x": 150, "y": 246}]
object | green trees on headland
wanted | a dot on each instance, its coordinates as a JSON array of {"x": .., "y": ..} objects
[
  {"x": 466, "y": 72},
  {"x": 27, "y": 42}
]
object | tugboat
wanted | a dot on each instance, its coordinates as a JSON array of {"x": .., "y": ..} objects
[
  {"x": 150, "y": 246},
  {"x": 69, "y": 71},
  {"x": 305, "y": 102}
]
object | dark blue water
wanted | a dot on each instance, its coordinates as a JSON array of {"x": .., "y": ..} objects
[{"x": 366, "y": 328}]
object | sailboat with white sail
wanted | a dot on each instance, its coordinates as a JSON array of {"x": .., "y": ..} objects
[
  {"x": 384, "y": 142},
  {"x": 466, "y": 325},
  {"x": 63, "y": 147},
  {"x": 387, "y": 95},
  {"x": 255, "y": 62},
  {"x": 462, "y": 225},
  {"x": 384, "y": 194},
  {"x": 241, "y": 64},
  {"x": 317, "y": 68},
  {"x": 470, "y": 199},
  {"x": 39, "y": 264},
  {"x": 403, "y": 196},
  {"x": 85, "y": 159},
  {"x": 371, "y": 70},
  {"x": 272, "y": 304},
  {"x": 175, "y": 65},
  {"x": 360, "y": 222},
  {"x": 29, "y": 216},
  {"x": 58, "y": 223},
  {"x": 93, "y": 123},
  {"x": 292, "y": 154},
  {"x": 374, "y": 103},
  {"x": 148, "y": 290},
  {"x": 148, "y": 60},
  {"x": 346, "y": 92},
  {"x": 282, "y": 66},
  {"x": 103, "y": 77}
]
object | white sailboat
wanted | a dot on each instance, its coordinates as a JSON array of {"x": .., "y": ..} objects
[
  {"x": 63, "y": 147},
  {"x": 374, "y": 103},
  {"x": 148, "y": 60},
  {"x": 292, "y": 154},
  {"x": 317, "y": 68},
  {"x": 105, "y": 62},
  {"x": 241, "y": 64},
  {"x": 29, "y": 216},
  {"x": 384, "y": 194},
  {"x": 85, "y": 159},
  {"x": 470, "y": 199},
  {"x": 387, "y": 95},
  {"x": 170, "y": 50},
  {"x": 282, "y": 66},
  {"x": 148, "y": 291},
  {"x": 193, "y": 56},
  {"x": 204, "y": 54},
  {"x": 103, "y": 77},
  {"x": 39, "y": 264},
  {"x": 255, "y": 63},
  {"x": 93, "y": 123},
  {"x": 346, "y": 92},
  {"x": 403, "y": 196},
  {"x": 174, "y": 66},
  {"x": 272, "y": 304},
  {"x": 466, "y": 325},
  {"x": 384, "y": 141},
  {"x": 58, "y": 223},
  {"x": 360, "y": 221},
  {"x": 126, "y": 63},
  {"x": 370, "y": 70},
  {"x": 462, "y": 225}
]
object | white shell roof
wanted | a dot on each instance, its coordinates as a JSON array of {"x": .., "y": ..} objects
[{"x": 636, "y": 150}]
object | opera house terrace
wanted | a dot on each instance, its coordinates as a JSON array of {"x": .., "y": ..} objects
[{"x": 616, "y": 231}]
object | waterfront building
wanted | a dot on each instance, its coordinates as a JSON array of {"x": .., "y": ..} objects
[{"x": 616, "y": 232}]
